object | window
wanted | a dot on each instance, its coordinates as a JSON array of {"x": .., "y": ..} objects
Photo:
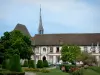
[
  {"x": 44, "y": 49},
  {"x": 51, "y": 49},
  {"x": 85, "y": 48},
  {"x": 57, "y": 50}
]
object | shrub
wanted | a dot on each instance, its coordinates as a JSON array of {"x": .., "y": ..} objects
[
  {"x": 77, "y": 72},
  {"x": 45, "y": 63},
  {"x": 36, "y": 70},
  {"x": 45, "y": 71},
  {"x": 15, "y": 63},
  {"x": 25, "y": 63},
  {"x": 39, "y": 64},
  {"x": 5, "y": 64},
  {"x": 32, "y": 69},
  {"x": 67, "y": 67},
  {"x": 31, "y": 64}
]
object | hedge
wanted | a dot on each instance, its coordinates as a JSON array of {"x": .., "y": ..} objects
[
  {"x": 67, "y": 67},
  {"x": 25, "y": 63},
  {"x": 31, "y": 64},
  {"x": 39, "y": 64},
  {"x": 15, "y": 63},
  {"x": 45, "y": 63}
]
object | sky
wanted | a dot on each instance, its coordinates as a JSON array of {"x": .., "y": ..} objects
[{"x": 58, "y": 16}]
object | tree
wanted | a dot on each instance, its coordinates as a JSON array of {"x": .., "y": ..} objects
[
  {"x": 70, "y": 52},
  {"x": 87, "y": 58},
  {"x": 15, "y": 43}
]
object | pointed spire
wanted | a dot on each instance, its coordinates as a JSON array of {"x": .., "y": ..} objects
[{"x": 40, "y": 29}]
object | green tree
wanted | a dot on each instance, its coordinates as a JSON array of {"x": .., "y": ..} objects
[
  {"x": 15, "y": 43},
  {"x": 87, "y": 58},
  {"x": 70, "y": 52}
]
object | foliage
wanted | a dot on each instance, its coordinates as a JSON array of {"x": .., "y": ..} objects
[
  {"x": 31, "y": 64},
  {"x": 15, "y": 63},
  {"x": 15, "y": 43},
  {"x": 45, "y": 71},
  {"x": 67, "y": 67},
  {"x": 36, "y": 70},
  {"x": 5, "y": 64},
  {"x": 76, "y": 71},
  {"x": 25, "y": 63},
  {"x": 45, "y": 63},
  {"x": 32, "y": 69},
  {"x": 70, "y": 52},
  {"x": 39, "y": 64},
  {"x": 87, "y": 58}
]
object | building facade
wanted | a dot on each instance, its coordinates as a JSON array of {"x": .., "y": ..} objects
[{"x": 48, "y": 46}]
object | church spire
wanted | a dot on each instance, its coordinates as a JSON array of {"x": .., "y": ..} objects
[{"x": 40, "y": 29}]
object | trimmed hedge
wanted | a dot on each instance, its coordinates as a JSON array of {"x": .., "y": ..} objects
[
  {"x": 37, "y": 70},
  {"x": 45, "y": 63},
  {"x": 25, "y": 63},
  {"x": 5, "y": 64},
  {"x": 39, "y": 64},
  {"x": 12, "y": 73},
  {"x": 31, "y": 64},
  {"x": 15, "y": 63}
]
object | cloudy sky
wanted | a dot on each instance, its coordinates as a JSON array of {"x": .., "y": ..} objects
[{"x": 58, "y": 16}]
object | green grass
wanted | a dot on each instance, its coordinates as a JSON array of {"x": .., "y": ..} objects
[
  {"x": 59, "y": 72},
  {"x": 90, "y": 72}
]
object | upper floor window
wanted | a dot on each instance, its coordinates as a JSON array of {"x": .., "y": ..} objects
[
  {"x": 51, "y": 49},
  {"x": 57, "y": 49},
  {"x": 44, "y": 49}
]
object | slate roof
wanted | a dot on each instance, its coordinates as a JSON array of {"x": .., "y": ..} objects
[
  {"x": 23, "y": 29},
  {"x": 59, "y": 39}
]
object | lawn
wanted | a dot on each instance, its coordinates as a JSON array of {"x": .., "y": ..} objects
[{"x": 59, "y": 72}]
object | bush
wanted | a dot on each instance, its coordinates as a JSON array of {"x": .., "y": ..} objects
[
  {"x": 36, "y": 70},
  {"x": 39, "y": 64},
  {"x": 32, "y": 69},
  {"x": 31, "y": 64},
  {"x": 25, "y": 63},
  {"x": 45, "y": 71},
  {"x": 77, "y": 71},
  {"x": 67, "y": 67},
  {"x": 45, "y": 63},
  {"x": 15, "y": 63},
  {"x": 5, "y": 64},
  {"x": 12, "y": 73}
]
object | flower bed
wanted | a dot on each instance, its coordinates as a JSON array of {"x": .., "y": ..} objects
[{"x": 37, "y": 70}]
